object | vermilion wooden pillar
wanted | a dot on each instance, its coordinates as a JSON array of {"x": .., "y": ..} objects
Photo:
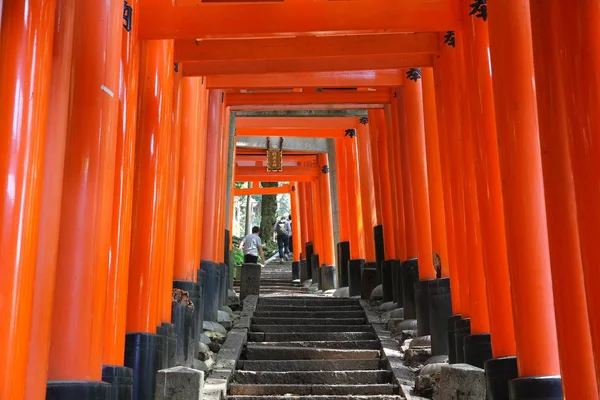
[
  {"x": 443, "y": 108},
  {"x": 391, "y": 125},
  {"x": 154, "y": 121},
  {"x": 190, "y": 195},
  {"x": 522, "y": 190},
  {"x": 415, "y": 141},
  {"x": 469, "y": 127},
  {"x": 26, "y": 35},
  {"x": 374, "y": 140},
  {"x": 451, "y": 149},
  {"x": 86, "y": 212},
  {"x": 302, "y": 215},
  {"x": 491, "y": 209},
  {"x": 406, "y": 196},
  {"x": 434, "y": 169},
  {"x": 318, "y": 220},
  {"x": 310, "y": 216},
  {"x": 150, "y": 203},
  {"x": 118, "y": 268},
  {"x": 342, "y": 184},
  {"x": 51, "y": 196},
  {"x": 572, "y": 325},
  {"x": 223, "y": 160},
  {"x": 367, "y": 187},
  {"x": 326, "y": 214},
  {"x": 386, "y": 194},
  {"x": 357, "y": 230},
  {"x": 578, "y": 36},
  {"x": 211, "y": 185},
  {"x": 171, "y": 212},
  {"x": 296, "y": 222}
]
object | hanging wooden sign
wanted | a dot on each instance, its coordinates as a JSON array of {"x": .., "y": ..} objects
[{"x": 274, "y": 157}]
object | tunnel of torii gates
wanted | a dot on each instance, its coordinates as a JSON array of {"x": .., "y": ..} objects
[{"x": 118, "y": 125}]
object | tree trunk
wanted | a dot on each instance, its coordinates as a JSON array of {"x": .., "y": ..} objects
[{"x": 268, "y": 213}]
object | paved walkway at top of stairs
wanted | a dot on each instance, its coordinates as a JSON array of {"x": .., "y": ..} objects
[{"x": 304, "y": 346}]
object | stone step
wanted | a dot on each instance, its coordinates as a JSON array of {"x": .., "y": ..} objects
[
  {"x": 310, "y": 328},
  {"x": 310, "y": 336},
  {"x": 307, "y": 321},
  {"x": 369, "y": 377},
  {"x": 293, "y": 308},
  {"x": 340, "y": 344},
  {"x": 317, "y": 397},
  {"x": 323, "y": 390},
  {"x": 309, "y": 365},
  {"x": 295, "y": 353},
  {"x": 268, "y": 281},
  {"x": 310, "y": 314},
  {"x": 308, "y": 301},
  {"x": 284, "y": 287}
]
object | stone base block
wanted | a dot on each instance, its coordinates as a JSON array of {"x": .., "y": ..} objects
[
  {"x": 179, "y": 383},
  {"x": 461, "y": 382},
  {"x": 250, "y": 282}
]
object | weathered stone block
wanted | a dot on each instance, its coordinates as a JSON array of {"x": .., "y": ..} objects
[
  {"x": 250, "y": 282},
  {"x": 461, "y": 382},
  {"x": 179, "y": 383}
]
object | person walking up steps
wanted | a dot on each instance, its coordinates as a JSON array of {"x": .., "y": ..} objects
[
  {"x": 251, "y": 245},
  {"x": 283, "y": 230}
]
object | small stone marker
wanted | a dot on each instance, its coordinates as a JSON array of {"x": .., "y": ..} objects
[
  {"x": 179, "y": 383},
  {"x": 250, "y": 282}
]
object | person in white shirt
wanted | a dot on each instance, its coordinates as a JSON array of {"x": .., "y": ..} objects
[{"x": 251, "y": 245}]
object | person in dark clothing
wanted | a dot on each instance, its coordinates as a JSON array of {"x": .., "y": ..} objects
[{"x": 283, "y": 230}]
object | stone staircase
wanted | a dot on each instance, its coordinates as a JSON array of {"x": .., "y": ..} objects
[{"x": 307, "y": 347}]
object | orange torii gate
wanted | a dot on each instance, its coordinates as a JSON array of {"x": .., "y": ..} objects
[{"x": 519, "y": 173}]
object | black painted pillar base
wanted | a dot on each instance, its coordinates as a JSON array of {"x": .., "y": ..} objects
[
  {"x": 163, "y": 333},
  {"x": 478, "y": 349},
  {"x": 171, "y": 348},
  {"x": 422, "y": 307},
  {"x": 451, "y": 324},
  {"x": 343, "y": 256},
  {"x": 304, "y": 275},
  {"x": 387, "y": 283},
  {"x": 498, "y": 372},
  {"x": 295, "y": 270},
  {"x": 440, "y": 309},
  {"x": 120, "y": 380},
  {"x": 379, "y": 251},
  {"x": 189, "y": 335},
  {"x": 410, "y": 276},
  {"x": 315, "y": 274},
  {"x": 536, "y": 388},
  {"x": 199, "y": 308},
  {"x": 224, "y": 280},
  {"x": 328, "y": 277},
  {"x": 397, "y": 282},
  {"x": 183, "y": 317},
  {"x": 368, "y": 280},
  {"x": 78, "y": 390},
  {"x": 354, "y": 276},
  {"x": 143, "y": 352},
  {"x": 212, "y": 289},
  {"x": 462, "y": 329},
  {"x": 309, "y": 253}
]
